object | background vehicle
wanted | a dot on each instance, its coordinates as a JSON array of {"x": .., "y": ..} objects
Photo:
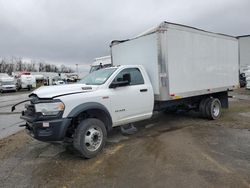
[
  {"x": 72, "y": 77},
  {"x": 244, "y": 59},
  {"x": 7, "y": 83},
  {"x": 244, "y": 52},
  {"x": 248, "y": 82},
  {"x": 3, "y": 75},
  {"x": 26, "y": 81},
  {"x": 100, "y": 62},
  {"x": 179, "y": 68},
  {"x": 58, "y": 82},
  {"x": 242, "y": 79}
]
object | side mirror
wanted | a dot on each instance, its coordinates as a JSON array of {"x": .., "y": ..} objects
[
  {"x": 125, "y": 81},
  {"x": 119, "y": 84}
]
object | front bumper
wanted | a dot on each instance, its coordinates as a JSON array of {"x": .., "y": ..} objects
[
  {"x": 52, "y": 130},
  {"x": 9, "y": 88},
  {"x": 44, "y": 128}
]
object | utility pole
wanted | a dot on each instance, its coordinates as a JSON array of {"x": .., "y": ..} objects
[{"x": 77, "y": 69}]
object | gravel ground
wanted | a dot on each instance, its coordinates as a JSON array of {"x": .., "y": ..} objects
[{"x": 170, "y": 150}]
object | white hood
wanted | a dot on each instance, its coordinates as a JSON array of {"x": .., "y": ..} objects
[{"x": 52, "y": 91}]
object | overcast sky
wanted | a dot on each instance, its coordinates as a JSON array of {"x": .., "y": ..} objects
[{"x": 77, "y": 31}]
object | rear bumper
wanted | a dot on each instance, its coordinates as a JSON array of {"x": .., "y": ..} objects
[
  {"x": 25, "y": 86},
  {"x": 52, "y": 130}
]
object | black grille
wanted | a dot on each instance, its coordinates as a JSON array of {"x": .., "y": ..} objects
[{"x": 30, "y": 110}]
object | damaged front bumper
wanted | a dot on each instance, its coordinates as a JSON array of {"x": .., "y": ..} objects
[
  {"x": 52, "y": 130},
  {"x": 44, "y": 128}
]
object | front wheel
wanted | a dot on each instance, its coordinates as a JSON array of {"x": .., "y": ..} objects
[{"x": 90, "y": 137}]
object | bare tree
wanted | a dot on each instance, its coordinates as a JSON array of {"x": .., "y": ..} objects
[
  {"x": 41, "y": 67},
  {"x": 19, "y": 64},
  {"x": 9, "y": 65}
]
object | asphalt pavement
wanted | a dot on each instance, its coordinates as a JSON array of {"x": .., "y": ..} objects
[{"x": 10, "y": 121}]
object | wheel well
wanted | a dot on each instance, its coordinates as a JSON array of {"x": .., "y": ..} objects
[
  {"x": 90, "y": 113},
  {"x": 222, "y": 96},
  {"x": 101, "y": 115}
]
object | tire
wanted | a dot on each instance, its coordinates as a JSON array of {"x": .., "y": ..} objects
[
  {"x": 90, "y": 137},
  {"x": 202, "y": 107},
  {"x": 213, "y": 108}
]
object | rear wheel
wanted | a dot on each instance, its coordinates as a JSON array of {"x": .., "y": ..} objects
[
  {"x": 90, "y": 137},
  {"x": 202, "y": 107},
  {"x": 213, "y": 108}
]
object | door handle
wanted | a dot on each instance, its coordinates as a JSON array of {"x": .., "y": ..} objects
[{"x": 143, "y": 90}]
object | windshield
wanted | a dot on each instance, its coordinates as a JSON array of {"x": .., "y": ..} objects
[
  {"x": 94, "y": 68},
  {"x": 97, "y": 77}
]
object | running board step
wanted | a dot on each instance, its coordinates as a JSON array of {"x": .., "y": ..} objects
[{"x": 128, "y": 129}]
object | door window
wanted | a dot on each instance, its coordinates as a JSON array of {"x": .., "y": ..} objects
[{"x": 136, "y": 76}]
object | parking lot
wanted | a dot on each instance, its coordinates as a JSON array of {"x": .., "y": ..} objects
[{"x": 170, "y": 150}]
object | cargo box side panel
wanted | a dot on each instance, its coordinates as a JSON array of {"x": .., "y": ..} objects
[
  {"x": 139, "y": 51},
  {"x": 199, "y": 62}
]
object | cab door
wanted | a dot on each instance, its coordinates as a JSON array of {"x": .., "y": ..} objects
[{"x": 132, "y": 102}]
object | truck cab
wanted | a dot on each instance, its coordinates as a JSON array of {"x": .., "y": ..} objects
[{"x": 87, "y": 110}]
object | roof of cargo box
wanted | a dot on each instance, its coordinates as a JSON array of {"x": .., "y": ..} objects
[
  {"x": 242, "y": 36},
  {"x": 164, "y": 25}
]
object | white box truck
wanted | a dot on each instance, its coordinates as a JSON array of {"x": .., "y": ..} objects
[
  {"x": 100, "y": 62},
  {"x": 169, "y": 67},
  {"x": 244, "y": 60},
  {"x": 244, "y": 52},
  {"x": 26, "y": 81}
]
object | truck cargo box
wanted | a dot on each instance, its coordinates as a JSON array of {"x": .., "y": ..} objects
[
  {"x": 244, "y": 52},
  {"x": 182, "y": 61}
]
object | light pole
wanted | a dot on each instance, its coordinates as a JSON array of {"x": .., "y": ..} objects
[{"x": 77, "y": 69}]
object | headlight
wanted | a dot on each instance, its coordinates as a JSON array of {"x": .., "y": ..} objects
[{"x": 49, "y": 109}]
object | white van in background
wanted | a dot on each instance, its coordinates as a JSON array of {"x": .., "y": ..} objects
[
  {"x": 26, "y": 81},
  {"x": 7, "y": 83}
]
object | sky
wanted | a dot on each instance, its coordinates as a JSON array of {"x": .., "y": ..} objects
[{"x": 77, "y": 31}]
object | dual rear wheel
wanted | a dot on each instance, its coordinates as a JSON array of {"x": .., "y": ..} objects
[{"x": 210, "y": 108}]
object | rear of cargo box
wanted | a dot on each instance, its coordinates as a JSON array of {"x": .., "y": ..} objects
[{"x": 182, "y": 61}]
